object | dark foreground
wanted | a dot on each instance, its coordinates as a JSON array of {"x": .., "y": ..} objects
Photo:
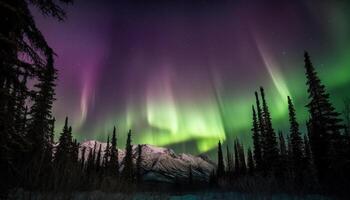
[{"x": 98, "y": 195}]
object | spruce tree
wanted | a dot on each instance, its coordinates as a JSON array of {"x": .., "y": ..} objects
[
  {"x": 90, "y": 163},
  {"x": 212, "y": 178},
  {"x": 282, "y": 143},
  {"x": 250, "y": 162},
  {"x": 309, "y": 172},
  {"x": 114, "y": 161},
  {"x": 98, "y": 159},
  {"x": 63, "y": 159},
  {"x": 283, "y": 166},
  {"x": 75, "y": 150},
  {"x": 325, "y": 124},
  {"x": 242, "y": 160},
  {"x": 296, "y": 143},
  {"x": 221, "y": 166},
  {"x": 261, "y": 133},
  {"x": 307, "y": 152},
  {"x": 290, "y": 149},
  {"x": 51, "y": 139},
  {"x": 63, "y": 150},
  {"x": 229, "y": 161},
  {"x": 290, "y": 171},
  {"x": 256, "y": 141},
  {"x": 94, "y": 156},
  {"x": 24, "y": 54},
  {"x": 82, "y": 160},
  {"x": 128, "y": 172},
  {"x": 270, "y": 151},
  {"x": 107, "y": 155},
  {"x": 139, "y": 164},
  {"x": 21, "y": 110},
  {"x": 346, "y": 113},
  {"x": 40, "y": 132},
  {"x": 237, "y": 160},
  {"x": 282, "y": 149}
]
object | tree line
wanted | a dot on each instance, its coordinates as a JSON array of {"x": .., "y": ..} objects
[
  {"x": 318, "y": 160},
  {"x": 76, "y": 167},
  {"x": 29, "y": 157},
  {"x": 26, "y": 121}
]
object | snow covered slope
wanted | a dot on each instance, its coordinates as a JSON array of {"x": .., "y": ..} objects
[{"x": 163, "y": 164}]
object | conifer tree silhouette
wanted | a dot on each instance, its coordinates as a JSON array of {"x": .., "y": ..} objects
[
  {"x": 114, "y": 160},
  {"x": 90, "y": 162},
  {"x": 229, "y": 161},
  {"x": 40, "y": 133},
  {"x": 221, "y": 166},
  {"x": 270, "y": 151},
  {"x": 325, "y": 125},
  {"x": 82, "y": 160},
  {"x": 282, "y": 144},
  {"x": 20, "y": 38},
  {"x": 128, "y": 172},
  {"x": 307, "y": 150},
  {"x": 107, "y": 156},
  {"x": 62, "y": 155},
  {"x": 256, "y": 141},
  {"x": 94, "y": 156},
  {"x": 261, "y": 135},
  {"x": 242, "y": 159},
  {"x": 139, "y": 164},
  {"x": 250, "y": 162},
  {"x": 283, "y": 166},
  {"x": 346, "y": 113},
  {"x": 66, "y": 157},
  {"x": 98, "y": 159},
  {"x": 296, "y": 144},
  {"x": 237, "y": 159}
]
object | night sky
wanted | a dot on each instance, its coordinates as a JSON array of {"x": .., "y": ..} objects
[{"x": 183, "y": 74}]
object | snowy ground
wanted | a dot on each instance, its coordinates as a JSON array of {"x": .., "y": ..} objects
[{"x": 160, "y": 196}]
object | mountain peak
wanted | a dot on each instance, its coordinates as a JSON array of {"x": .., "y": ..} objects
[{"x": 162, "y": 164}]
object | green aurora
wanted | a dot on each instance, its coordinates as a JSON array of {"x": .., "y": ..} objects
[{"x": 188, "y": 81}]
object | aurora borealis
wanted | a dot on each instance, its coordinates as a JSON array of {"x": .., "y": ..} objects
[{"x": 183, "y": 74}]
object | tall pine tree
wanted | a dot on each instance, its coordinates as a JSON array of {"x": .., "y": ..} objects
[
  {"x": 270, "y": 149},
  {"x": 82, "y": 160},
  {"x": 128, "y": 172},
  {"x": 40, "y": 132},
  {"x": 283, "y": 166},
  {"x": 242, "y": 160},
  {"x": 324, "y": 125},
  {"x": 229, "y": 161},
  {"x": 296, "y": 143},
  {"x": 107, "y": 155},
  {"x": 24, "y": 54},
  {"x": 256, "y": 141},
  {"x": 346, "y": 113},
  {"x": 139, "y": 164},
  {"x": 250, "y": 162},
  {"x": 98, "y": 159},
  {"x": 221, "y": 166},
  {"x": 282, "y": 143},
  {"x": 261, "y": 134},
  {"x": 237, "y": 160},
  {"x": 114, "y": 161},
  {"x": 64, "y": 147}
]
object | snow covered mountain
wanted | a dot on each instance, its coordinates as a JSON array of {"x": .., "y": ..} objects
[{"x": 163, "y": 164}]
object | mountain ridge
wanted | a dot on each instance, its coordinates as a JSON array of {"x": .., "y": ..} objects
[{"x": 160, "y": 163}]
